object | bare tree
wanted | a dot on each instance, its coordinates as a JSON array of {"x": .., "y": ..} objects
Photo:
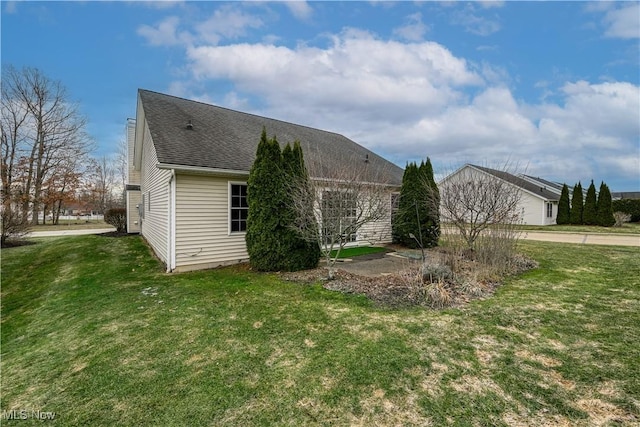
[
  {"x": 52, "y": 132},
  {"x": 120, "y": 167},
  {"x": 341, "y": 205},
  {"x": 475, "y": 199},
  {"x": 99, "y": 184},
  {"x": 13, "y": 121}
]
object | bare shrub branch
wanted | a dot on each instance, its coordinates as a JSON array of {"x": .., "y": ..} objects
[
  {"x": 476, "y": 199},
  {"x": 341, "y": 205},
  {"x": 621, "y": 218}
]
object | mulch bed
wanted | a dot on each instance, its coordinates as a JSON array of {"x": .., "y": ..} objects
[{"x": 400, "y": 289}]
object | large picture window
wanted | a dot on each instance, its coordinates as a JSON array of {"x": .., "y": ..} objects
[
  {"x": 339, "y": 211},
  {"x": 238, "y": 208}
]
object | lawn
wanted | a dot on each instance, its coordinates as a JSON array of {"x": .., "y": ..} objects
[
  {"x": 95, "y": 332},
  {"x": 358, "y": 251},
  {"x": 71, "y": 224}
]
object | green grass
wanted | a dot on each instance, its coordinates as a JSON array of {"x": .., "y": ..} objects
[
  {"x": 71, "y": 224},
  {"x": 360, "y": 250},
  {"x": 93, "y": 330}
]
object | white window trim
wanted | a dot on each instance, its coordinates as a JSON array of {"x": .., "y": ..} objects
[{"x": 229, "y": 232}]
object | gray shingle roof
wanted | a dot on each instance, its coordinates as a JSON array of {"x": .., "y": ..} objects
[
  {"x": 522, "y": 183},
  {"x": 221, "y": 138}
]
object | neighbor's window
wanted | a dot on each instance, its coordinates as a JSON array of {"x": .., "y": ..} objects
[
  {"x": 339, "y": 210},
  {"x": 239, "y": 208},
  {"x": 549, "y": 210}
]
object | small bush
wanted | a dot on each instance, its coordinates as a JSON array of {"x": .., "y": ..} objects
[
  {"x": 118, "y": 218},
  {"x": 439, "y": 295},
  {"x": 629, "y": 206},
  {"x": 621, "y": 218},
  {"x": 436, "y": 273}
]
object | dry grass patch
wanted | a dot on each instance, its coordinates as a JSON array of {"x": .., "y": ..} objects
[
  {"x": 545, "y": 361},
  {"x": 378, "y": 409},
  {"x": 603, "y": 413}
]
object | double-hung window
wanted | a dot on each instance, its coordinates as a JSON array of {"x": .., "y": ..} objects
[
  {"x": 339, "y": 211},
  {"x": 238, "y": 208}
]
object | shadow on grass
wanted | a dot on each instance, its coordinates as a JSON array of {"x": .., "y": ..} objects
[{"x": 17, "y": 243}]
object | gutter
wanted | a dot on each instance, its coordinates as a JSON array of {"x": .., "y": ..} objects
[{"x": 202, "y": 170}]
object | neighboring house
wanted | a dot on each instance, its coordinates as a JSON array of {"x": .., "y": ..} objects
[
  {"x": 620, "y": 195},
  {"x": 188, "y": 167},
  {"x": 538, "y": 198}
]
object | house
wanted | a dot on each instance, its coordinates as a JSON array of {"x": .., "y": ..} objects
[
  {"x": 622, "y": 195},
  {"x": 188, "y": 166},
  {"x": 538, "y": 197}
]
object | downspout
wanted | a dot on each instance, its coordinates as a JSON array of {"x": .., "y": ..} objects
[{"x": 171, "y": 226}]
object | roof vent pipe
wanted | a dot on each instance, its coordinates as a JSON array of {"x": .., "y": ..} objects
[{"x": 189, "y": 125}]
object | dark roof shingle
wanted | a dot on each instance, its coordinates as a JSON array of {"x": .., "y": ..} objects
[
  {"x": 522, "y": 183},
  {"x": 221, "y": 138}
]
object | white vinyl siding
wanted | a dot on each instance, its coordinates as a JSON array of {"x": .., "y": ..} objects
[
  {"x": 134, "y": 198},
  {"x": 203, "y": 239},
  {"x": 378, "y": 232},
  {"x": 156, "y": 182}
]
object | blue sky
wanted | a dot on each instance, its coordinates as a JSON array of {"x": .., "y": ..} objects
[{"x": 551, "y": 86}]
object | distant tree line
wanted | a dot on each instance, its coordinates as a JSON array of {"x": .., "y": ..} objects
[{"x": 590, "y": 210}]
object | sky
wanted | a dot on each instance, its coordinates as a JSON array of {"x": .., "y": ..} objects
[{"x": 551, "y": 88}]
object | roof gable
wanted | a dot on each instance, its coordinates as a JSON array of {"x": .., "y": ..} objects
[
  {"x": 194, "y": 134},
  {"x": 523, "y": 184},
  {"x": 529, "y": 187}
]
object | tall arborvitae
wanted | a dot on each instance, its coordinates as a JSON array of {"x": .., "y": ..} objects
[
  {"x": 564, "y": 211},
  {"x": 590, "y": 212},
  {"x": 576, "y": 205},
  {"x": 302, "y": 254},
  {"x": 604, "y": 207},
  {"x": 265, "y": 195},
  {"x": 430, "y": 199},
  {"x": 405, "y": 219},
  {"x": 415, "y": 215}
]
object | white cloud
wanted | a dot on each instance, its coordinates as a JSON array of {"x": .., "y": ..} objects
[
  {"x": 300, "y": 9},
  {"x": 10, "y": 7},
  {"x": 414, "y": 29},
  {"x": 357, "y": 72},
  {"x": 475, "y": 23},
  {"x": 411, "y": 100},
  {"x": 623, "y": 22},
  {"x": 490, "y": 4},
  {"x": 165, "y": 33},
  {"x": 226, "y": 22}
]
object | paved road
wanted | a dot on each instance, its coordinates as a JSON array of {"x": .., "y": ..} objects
[
  {"x": 583, "y": 238},
  {"x": 54, "y": 233}
]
